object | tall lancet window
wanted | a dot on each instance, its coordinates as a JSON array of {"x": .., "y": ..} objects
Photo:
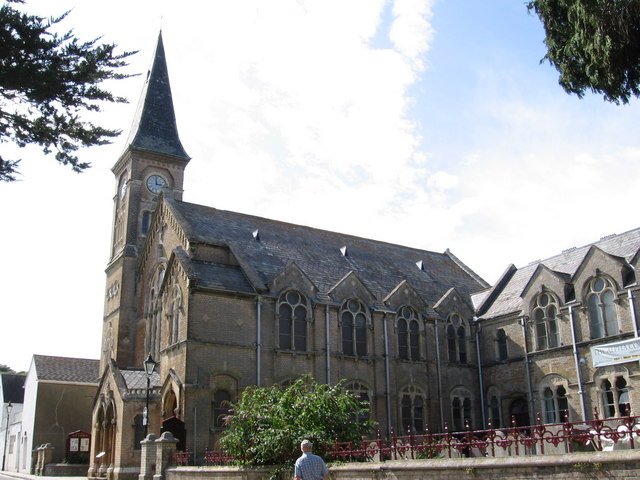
[{"x": 154, "y": 312}]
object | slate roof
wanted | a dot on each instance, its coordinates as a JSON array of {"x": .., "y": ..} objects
[
  {"x": 381, "y": 266},
  {"x": 154, "y": 126},
  {"x": 13, "y": 388},
  {"x": 64, "y": 369},
  {"x": 137, "y": 379},
  {"x": 625, "y": 245}
]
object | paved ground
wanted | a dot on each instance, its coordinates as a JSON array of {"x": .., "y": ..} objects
[{"x": 24, "y": 476}]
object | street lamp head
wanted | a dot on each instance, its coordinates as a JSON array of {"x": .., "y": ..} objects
[
  {"x": 9, "y": 407},
  {"x": 149, "y": 365}
]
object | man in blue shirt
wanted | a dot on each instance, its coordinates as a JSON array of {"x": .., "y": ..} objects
[{"x": 310, "y": 466}]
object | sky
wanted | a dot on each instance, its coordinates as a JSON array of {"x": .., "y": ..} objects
[{"x": 430, "y": 123}]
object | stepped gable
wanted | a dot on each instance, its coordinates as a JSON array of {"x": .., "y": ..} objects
[
  {"x": 63, "y": 369},
  {"x": 624, "y": 245},
  {"x": 381, "y": 266}
]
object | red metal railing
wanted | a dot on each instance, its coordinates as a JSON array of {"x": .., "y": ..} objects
[{"x": 598, "y": 434}]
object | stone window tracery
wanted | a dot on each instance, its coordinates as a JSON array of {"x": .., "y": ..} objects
[
  {"x": 553, "y": 394},
  {"x": 461, "y": 409},
  {"x": 292, "y": 321},
  {"x": 408, "y": 330},
  {"x": 353, "y": 319},
  {"x": 545, "y": 313},
  {"x": 457, "y": 334},
  {"x": 603, "y": 319},
  {"x": 362, "y": 392},
  {"x": 613, "y": 389},
  {"x": 154, "y": 312},
  {"x": 412, "y": 406}
]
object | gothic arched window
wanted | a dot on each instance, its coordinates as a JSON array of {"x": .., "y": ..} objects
[
  {"x": 545, "y": 312},
  {"x": 220, "y": 408},
  {"x": 360, "y": 391},
  {"x": 556, "y": 405},
  {"x": 292, "y": 321},
  {"x": 354, "y": 328},
  {"x": 457, "y": 334},
  {"x": 154, "y": 312},
  {"x": 408, "y": 334},
  {"x": 175, "y": 314},
  {"x": 615, "y": 397},
  {"x": 412, "y": 405},
  {"x": 603, "y": 319},
  {"x": 461, "y": 408}
]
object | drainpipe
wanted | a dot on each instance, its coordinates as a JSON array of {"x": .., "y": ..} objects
[
  {"x": 633, "y": 313},
  {"x": 439, "y": 374},
  {"x": 476, "y": 320},
  {"x": 258, "y": 339},
  {"x": 527, "y": 366},
  {"x": 576, "y": 360},
  {"x": 387, "y": 377},
  {"x": 327, "y": 338}
]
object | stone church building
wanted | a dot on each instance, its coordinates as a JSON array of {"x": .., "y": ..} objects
[{"x": 223, "y": 300}]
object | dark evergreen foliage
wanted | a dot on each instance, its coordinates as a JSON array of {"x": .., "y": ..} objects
[
  {"x": 594, "y": 44},
  {"x": 47, "y": 81}
]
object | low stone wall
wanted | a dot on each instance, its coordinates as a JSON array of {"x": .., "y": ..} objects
[
  {"x": 616, "y": 465},
  {"x": 65, "y": 470}
]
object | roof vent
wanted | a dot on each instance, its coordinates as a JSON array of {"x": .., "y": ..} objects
[
  {"x": 420, "y": 265},
  {"x": 569, "y": 250},
  {"x": 343, "y": 251},
  {"x": 256, "y": 235}
]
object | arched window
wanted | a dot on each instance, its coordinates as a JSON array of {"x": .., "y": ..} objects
[
  {"x": 556, "y": 405},
  {"x": 494, "y": 412},
  {"x": 461, "y": 409},
  {"x": 615, "y": 397},
  {"x": 553, "y": 395},
  {"x": 501, "y": 340},
  {"x": 292, "y": 321},
  {"x": 545, "y": 312},
  {"x": 154, "y": 312},
  {"x": 408, "y": 334},
  {"x": 175, "y": 314},
  {"x": 146, "y": 222},
  {"x": 412, "y": 405},
  {"x": 360, "y": 390},
  {"x": 457, "y": 334},
  {"x": 354, "y": 328},
  {"x": 603, "y": 319},
  {"x": 220, "y": 408}
]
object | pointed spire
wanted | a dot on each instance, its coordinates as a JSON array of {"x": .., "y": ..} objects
[{"x": 154, "y": 125}]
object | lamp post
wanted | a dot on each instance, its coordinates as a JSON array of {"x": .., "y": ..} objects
[
  {"x": 6, "y": 434},
  {"x": 149, "y": 367}
]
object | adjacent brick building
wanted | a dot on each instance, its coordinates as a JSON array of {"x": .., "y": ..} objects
[{"x": 224, "y": 300}]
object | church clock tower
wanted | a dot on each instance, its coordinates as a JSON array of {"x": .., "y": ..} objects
[{"x": 153, "y": 159}]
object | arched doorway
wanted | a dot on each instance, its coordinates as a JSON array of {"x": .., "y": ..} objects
[
  {"x": 519, "y": 411},
  {"x": 171, "y": 421}
]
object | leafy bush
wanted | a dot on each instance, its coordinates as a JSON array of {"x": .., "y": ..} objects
[{"x": 267, "y": 424}]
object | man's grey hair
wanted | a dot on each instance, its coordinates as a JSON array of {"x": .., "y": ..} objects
[{"x": 306, "y": 445}]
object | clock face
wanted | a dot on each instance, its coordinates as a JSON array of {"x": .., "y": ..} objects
[{"x": 155, "y": 183}]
